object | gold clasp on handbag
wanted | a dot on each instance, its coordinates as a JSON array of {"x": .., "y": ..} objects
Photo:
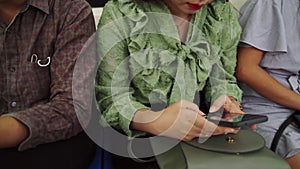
[{"x": 230, "y": 139}]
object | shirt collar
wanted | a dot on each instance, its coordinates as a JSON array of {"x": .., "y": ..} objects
[{"x": 43, "y": 5}]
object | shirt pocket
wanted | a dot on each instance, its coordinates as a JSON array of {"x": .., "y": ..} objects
[{"x": 36, "y": 78}]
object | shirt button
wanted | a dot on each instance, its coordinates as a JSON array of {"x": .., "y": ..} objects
[
  {"x": 12, "y": 69},
  {"x": 13, "y": 104}
]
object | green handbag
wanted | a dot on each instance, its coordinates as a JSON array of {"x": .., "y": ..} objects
[{"x": 245, "y": 150}]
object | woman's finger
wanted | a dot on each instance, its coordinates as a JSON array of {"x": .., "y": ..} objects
[{"x": 218, "y": 103}]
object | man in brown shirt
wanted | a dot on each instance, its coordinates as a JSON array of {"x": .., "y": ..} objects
[{"x": 39, "y": 43}]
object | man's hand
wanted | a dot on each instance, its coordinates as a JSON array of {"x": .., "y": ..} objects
[{"x": 12, "y": 132}]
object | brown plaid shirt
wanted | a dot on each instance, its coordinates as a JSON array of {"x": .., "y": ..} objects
[{"x": 41, "y": 97}]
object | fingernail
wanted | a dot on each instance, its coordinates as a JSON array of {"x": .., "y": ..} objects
[
  {"x": 228, "y": 130},
  {"x": 201, "y": 113},
  {"x": 213, "y": 109}
]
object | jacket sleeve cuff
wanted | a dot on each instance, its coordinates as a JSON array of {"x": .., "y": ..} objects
[
  {"x": 31, "y": 140},
  {"x": 127, "y": 116}
]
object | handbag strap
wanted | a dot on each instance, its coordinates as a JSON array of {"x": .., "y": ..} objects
[{"x": 282, "y": 127}]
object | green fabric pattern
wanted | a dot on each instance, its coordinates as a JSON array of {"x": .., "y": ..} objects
[{"x": 144, "y": 63}]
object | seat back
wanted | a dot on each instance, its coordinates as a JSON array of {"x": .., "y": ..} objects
[{"x": 102, "y": 160}]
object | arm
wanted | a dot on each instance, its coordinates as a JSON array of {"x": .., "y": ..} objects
[
  {"x": 226, "y": 32},
  {"x": 114, "y": 93},
  {"x": 249, "y": 72},
  {"x": 182, "y": 120},
  {"x": 229, "y": 40},
  {"x": 12, "y": 131},
  {"x": 54, "y": 118}
]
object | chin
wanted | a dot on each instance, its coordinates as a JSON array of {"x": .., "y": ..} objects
[{"x": 192, "y": 12}]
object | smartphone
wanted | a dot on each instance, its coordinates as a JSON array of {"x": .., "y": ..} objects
[{"x": 234, "y": 120}]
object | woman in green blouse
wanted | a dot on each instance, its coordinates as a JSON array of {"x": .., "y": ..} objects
[{"x": 157, "y": 56}]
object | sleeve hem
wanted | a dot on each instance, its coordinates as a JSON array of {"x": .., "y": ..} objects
[{"x": 25, "y": 144}]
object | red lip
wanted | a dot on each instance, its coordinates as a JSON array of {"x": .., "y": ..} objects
[{"x": 195, "y": 6}]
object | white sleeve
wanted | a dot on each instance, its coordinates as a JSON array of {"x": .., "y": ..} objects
[{"x": 263, "y": 25}]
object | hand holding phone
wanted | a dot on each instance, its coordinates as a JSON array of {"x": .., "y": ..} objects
[{"x": 234, "y": 120}]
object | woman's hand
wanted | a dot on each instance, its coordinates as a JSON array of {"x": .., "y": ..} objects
[
  {"x": 182, "y": 120},
  {"x": 231, "y": 105}
]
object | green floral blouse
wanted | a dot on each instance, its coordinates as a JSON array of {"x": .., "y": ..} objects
[{"x": 143, "y": 63}]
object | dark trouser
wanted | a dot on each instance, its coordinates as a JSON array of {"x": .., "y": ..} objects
[
  {"x": 127, "y": 163},
  {"x": 74, "y": 153}
]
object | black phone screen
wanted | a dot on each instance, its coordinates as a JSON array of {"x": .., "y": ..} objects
[{"x": 236, "y": 120}]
